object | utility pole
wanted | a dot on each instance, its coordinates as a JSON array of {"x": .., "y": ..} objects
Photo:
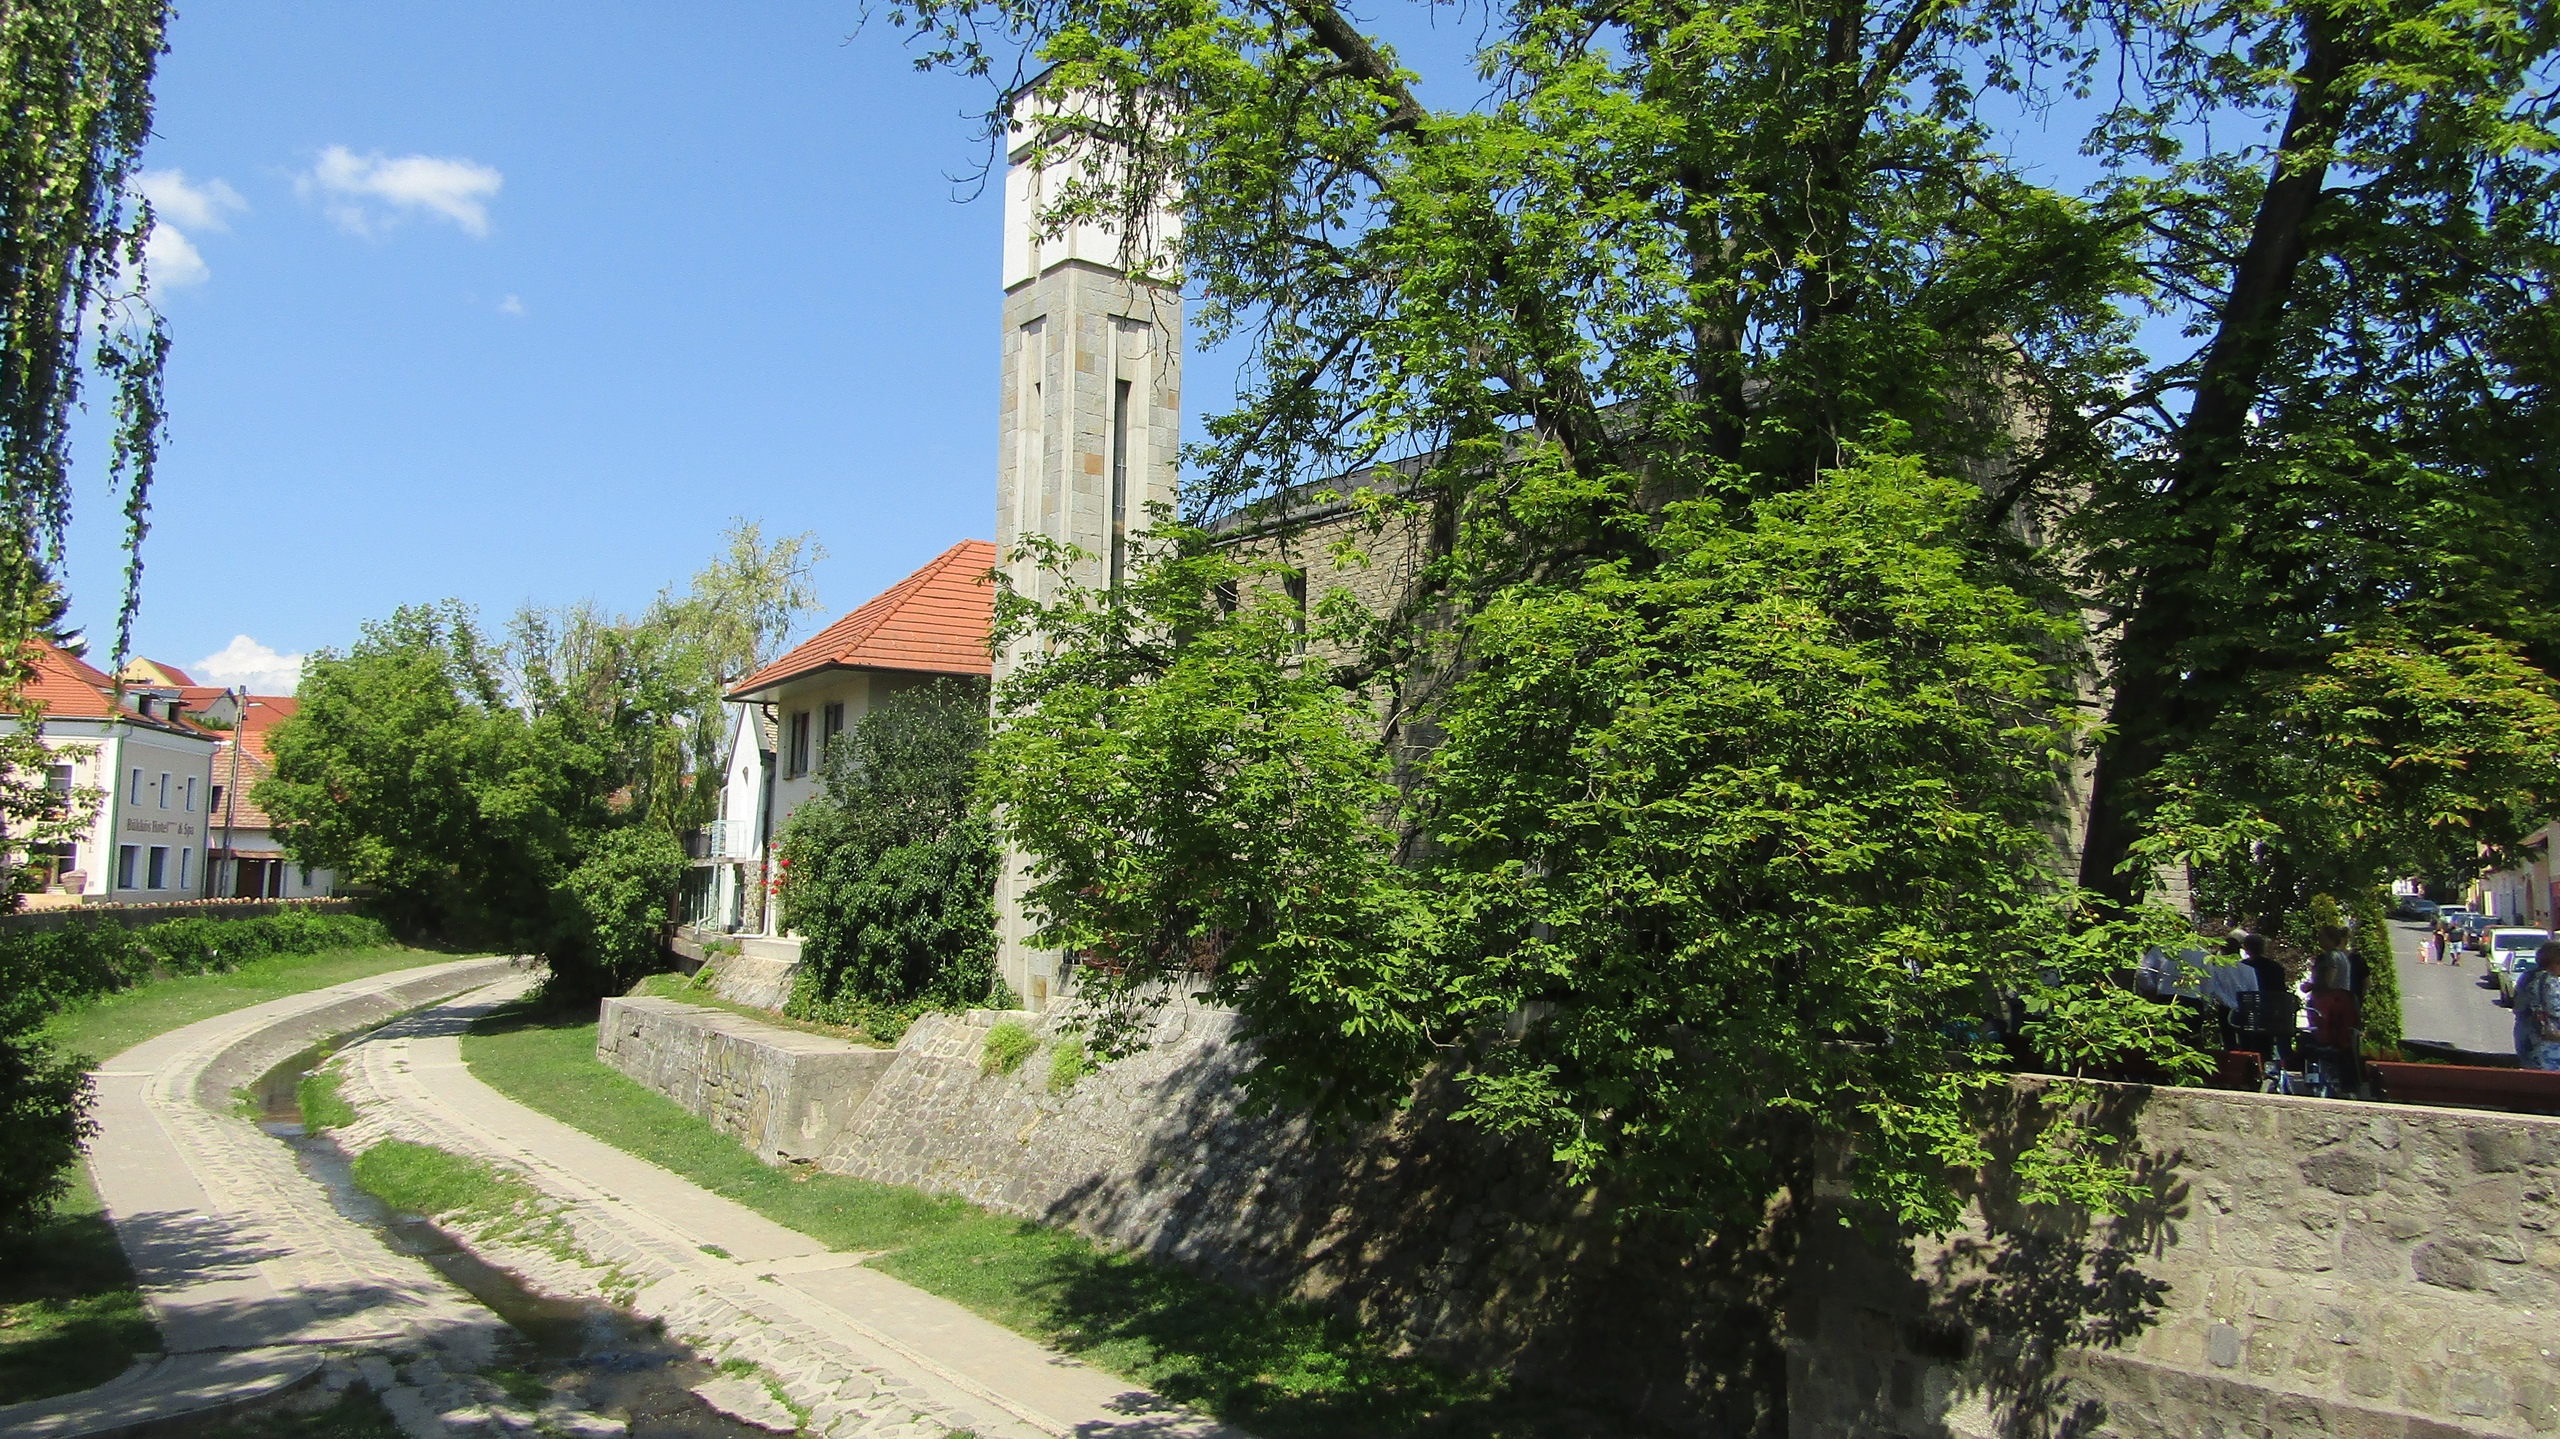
[{"x": 231, "y": 795}]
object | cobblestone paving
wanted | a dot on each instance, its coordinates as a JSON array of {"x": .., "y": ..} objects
[{"x": 860, "y": 1353}]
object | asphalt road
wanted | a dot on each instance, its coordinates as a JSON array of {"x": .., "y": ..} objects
[{"x": 2445, "y": 1002}]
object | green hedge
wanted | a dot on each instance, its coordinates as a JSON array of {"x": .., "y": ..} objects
[{"x": 80, "y": 961}]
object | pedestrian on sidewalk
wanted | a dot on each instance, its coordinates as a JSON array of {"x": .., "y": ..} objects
[{"x": 2537, "y": 1002}]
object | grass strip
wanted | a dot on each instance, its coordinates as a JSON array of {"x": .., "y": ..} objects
[
  {"x": 322, "y": 1106},
  {"x": 1281, "y": 1369},
  {"x": 113, "y": 1023}
]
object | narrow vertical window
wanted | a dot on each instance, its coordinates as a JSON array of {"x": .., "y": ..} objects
[
  {"x": 831, "y": 724},
  {"x": 1295, "y": 583},
  {"x": 126, "y": 855},
  {"x": 164, "y": 789},
  {"x": 191, "y": 794},
  {"x": 1119, "y": 480},
  {"x": 186, "y": 866},
  {"x": 137, "y": 787},
  {"x": 159, "y": 878}
]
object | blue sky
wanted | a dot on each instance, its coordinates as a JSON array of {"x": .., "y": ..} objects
[
  {"x": 525, "y": 301},
  {"x": 676, "y": 263}
]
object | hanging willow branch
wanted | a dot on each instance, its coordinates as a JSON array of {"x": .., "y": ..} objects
[{"x": 75, "y": 112}]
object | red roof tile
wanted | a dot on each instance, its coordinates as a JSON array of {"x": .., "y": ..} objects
[
  {"x": 936, "y": 620},
  {"x": 74, "y": 689}
]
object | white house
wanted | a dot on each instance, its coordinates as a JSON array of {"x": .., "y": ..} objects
[
  {"x": 933, "y": 623},
  {"x": 151, "y": 765}
]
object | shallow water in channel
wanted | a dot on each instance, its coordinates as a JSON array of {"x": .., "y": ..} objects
[{"x": 594, "y": 1355}]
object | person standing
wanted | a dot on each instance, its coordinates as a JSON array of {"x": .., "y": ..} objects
[{"x": 2537, "y": 1002}]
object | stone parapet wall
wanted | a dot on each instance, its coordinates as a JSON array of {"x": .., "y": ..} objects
[
  {"x": 782, "y": 1093},
  {"x": 2299, "y": 1266}
]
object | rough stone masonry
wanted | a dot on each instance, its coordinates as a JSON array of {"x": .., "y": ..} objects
[{"x": 2298, "y": 1266}]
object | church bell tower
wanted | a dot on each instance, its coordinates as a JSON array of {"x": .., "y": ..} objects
[{"x": 1088, "y": 426}]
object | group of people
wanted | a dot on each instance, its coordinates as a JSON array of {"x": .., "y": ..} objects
[
  {"x": 2537, "y": 1010},
  {"x": 2245, "y": 1000}
]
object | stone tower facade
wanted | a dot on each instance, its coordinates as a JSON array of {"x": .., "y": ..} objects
[{"x": 1089, "y": 425}]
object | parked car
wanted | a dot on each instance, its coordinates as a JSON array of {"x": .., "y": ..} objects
[
  {"x": 2475, "y": 932},
  {"x": 2511, "y": 952},
  {"x": 2411, "y": 906}
]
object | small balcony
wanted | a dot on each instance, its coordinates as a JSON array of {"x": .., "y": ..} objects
[{"x": 720, "y": 840}]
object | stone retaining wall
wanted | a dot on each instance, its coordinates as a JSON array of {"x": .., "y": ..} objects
[
  {"x": 756, "y": 981},
  {"x": 2296, "y": 1266},
  {"x": 2299, "y": 1266},
  {"x": 782, "y": 1093}
]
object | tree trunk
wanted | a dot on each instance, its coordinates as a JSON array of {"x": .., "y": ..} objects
[{"x": 2158, "y": 699}]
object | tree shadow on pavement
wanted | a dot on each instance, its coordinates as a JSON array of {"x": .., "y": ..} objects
[{"x": 70, "y": 1317}]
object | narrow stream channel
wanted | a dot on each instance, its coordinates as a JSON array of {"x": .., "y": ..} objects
[{"x": 592, "y": 1354}]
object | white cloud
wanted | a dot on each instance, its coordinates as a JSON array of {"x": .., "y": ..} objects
[
  {"x": 369, "y": 193},
  {"x": 171, "y": 260},
  {"x": 175, "y": 198},
  {"x": 244, "y": 661},
  {"x": 511, "y": 306}
]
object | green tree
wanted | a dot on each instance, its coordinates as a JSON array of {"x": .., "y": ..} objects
[
  {"x": 1682, "y": 253},
  {"x": 892, "y": 864},
  {"x": 408, "y": 772},
  {"x": 653, "y": 684}
]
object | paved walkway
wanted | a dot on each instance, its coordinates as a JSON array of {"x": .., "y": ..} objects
[
  {"x": 249, "y": 1273},
  {"x": 2446, "y": 1002},
  {"x": 864, "y": 1353}
]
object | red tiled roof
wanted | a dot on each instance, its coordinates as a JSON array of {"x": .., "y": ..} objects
[
  {"x": 236, "y": 808},
  {"x": 936, "y": 620},
  {"x": 72, "y": 688},
  {"x": 257, "y": 762}
]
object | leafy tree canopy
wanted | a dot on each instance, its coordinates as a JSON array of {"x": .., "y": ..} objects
[{"x": 1706, "y": 288}]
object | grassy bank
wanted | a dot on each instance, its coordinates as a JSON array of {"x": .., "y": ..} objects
[
  {"x": 70, "y": 1316},
  {"x": 1284, "y": 1371},
  {"x": 107, "y": 1026}
]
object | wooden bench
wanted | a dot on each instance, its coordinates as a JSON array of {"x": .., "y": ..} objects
[{"x": 2472, "y": 1086}]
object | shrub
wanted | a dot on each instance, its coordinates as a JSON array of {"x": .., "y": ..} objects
[
  {"x": 44, "y": 1100},
  {"x": 2382, "y": 972},
  {"x": 1068, "y": 1063},
  {"x": 892, "y": 867},
  {"x": 1007, "y": 1046},
  {"x": 621, "y": 888}
]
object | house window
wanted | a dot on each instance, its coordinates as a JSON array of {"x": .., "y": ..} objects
[
  {"x": 159, "y": 867},
  {"x": 191, "y": 794},
  {"x": 186, "y": 867},
  {"x": 213, "y": 802},
  {"x": 799, "y": 743},
  {"x": 832, "y": 725},
  {"x": 164, "y": 789},
  {"x": 137, "y": 787},
  {"x": 126, "y": 855},
  {"x": 57, "y": 778}
]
